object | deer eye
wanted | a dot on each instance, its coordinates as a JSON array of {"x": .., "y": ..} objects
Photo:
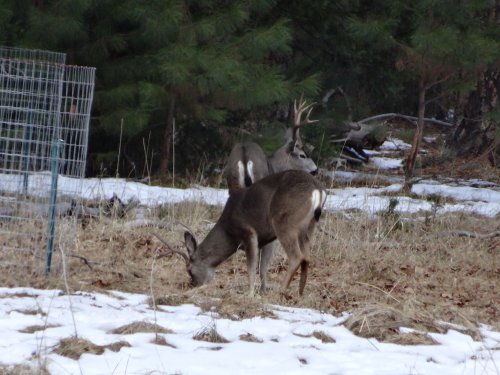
[{"x": 302, "y": 156}]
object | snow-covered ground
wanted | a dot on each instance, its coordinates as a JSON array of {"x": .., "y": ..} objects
[
  {"x": 287, "y": 344},
  {"x": 478, "y": 200}
]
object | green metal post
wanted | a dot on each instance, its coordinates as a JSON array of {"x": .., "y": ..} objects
[{"x": 55, "y": 154}]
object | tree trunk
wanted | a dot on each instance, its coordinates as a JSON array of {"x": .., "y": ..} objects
[
  {"x": 409, "y": 167},
  {"x": 167, "y": 138},
  {"x": 476, "y": 132}
]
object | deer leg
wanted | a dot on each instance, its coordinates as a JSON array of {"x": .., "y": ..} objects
[
  {"x": 266, "y": 253},
  {"x": 252, "y": 251},
  {"x": 295, "y": 259},
  {"x": 305, "y": 248},
  {"x": 303, "y": 275}
]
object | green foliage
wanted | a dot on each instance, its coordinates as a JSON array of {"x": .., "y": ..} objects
[
  {"x": 271, "y": 137},
  {"x": 55, "y": 25},
  {"x": 232, "y": 62}
]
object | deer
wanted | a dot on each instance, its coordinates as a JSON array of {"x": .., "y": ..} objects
[
  {"x": 284, "y": 206},
  {"x": 248, "y": 163}
]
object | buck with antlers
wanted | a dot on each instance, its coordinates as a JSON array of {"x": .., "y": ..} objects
[
  {"x": 247, "y": 162},
  {"x": 285, "y": 206}
]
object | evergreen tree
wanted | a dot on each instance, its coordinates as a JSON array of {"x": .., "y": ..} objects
[
  {"x": 443, "y": 45},
  {"x": 220, "y": 56},
  {"x": 448, "y": 48},
  {"x": 478, "y": 112}
]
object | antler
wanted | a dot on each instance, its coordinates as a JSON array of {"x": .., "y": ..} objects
[
  {"x": 186, "y": 228},
  {"x": 298, "y": 110},
  {"x": 173, "y": 249}
]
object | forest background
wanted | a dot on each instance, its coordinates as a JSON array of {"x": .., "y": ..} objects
[{"x": 182, "y": 81}]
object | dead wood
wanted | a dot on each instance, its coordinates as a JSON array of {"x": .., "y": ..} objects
[
  {"x": 411, "y": 119},
  {"x": 463, "y": 233}
]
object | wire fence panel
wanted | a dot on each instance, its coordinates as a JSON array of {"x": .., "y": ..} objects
[
  {"x": 44, "y": 122},
  {"x": 14, "y": 53}
]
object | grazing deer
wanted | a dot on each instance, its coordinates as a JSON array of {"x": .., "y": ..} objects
[
  {"x": 285, "y": 206},
  {"x": 248, "y": 163}
]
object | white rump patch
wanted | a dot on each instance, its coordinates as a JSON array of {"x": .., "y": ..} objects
[
  {"x": 318, "y": 198},
  {"x": 241, "y": 174},
  {"x": 250, "y": 171}
]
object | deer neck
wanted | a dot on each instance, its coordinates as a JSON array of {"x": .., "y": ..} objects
[
  {"x": 278, "y": 161},
  {"x": 217, "y": 246},
  {"x": 270, "y": 167}
]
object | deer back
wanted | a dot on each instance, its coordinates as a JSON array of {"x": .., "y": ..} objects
[{"x": 283, "y": 201}]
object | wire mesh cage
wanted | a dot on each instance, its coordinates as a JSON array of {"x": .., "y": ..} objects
[
  {"x": 14, "y": 53},
  {"x": 44, "y": 122}
]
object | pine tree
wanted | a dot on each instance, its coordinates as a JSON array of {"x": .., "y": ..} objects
[
  {"x": 443, "y": 45},
  {"x": 220, "y": 56},
  {"x": 159, "y": 59},
  {"x": 477, "y": 129},
  {"x": 448, "y": 48}
]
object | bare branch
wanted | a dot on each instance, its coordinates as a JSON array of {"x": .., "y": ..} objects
[
  {"x": 83, "y": 259},
  {"x": 463, "y": 233},
  {"x": 411, "y": 119},
  {"x": 333, "y": 92}
]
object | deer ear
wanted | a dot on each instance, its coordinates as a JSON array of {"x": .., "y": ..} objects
[
  {"x": 190, "y": 242},
  {"x": 294, "y": 146},
  {"x": 290, "y": 146}
]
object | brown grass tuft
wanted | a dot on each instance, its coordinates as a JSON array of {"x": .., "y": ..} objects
[
  {"x": 23, "y": 370},
  {"x": 38, "y": 311},
  {"x": 210, "y": 334},
  {"x": 412, "y": 338},
  {"x": 325, "y": 338},
  {"x": 170, "y": 300},
  {"x": 250, "y": 338},
  {"x": 383, "y": 322},
  {"x": 36, "y": 328},
  {"x": 74, "y": 347},
  {"x": 160, "y": 340},
  {"x": 140, "y": 327}
]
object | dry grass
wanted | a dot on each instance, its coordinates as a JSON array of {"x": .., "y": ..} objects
[
  {"x": 210, "y": 334},
  {"x": 74, "y": 347},
  {"x": 36, "y": 328},
  {"x": 248, "y": 337},
  {"x": 323, "y": 337},
  {"x": 160, "y": 340},
  {"x": 387, "y": 271},
  {"x": 23, "y": 370},
  {"x": 140, "y": 327}
]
